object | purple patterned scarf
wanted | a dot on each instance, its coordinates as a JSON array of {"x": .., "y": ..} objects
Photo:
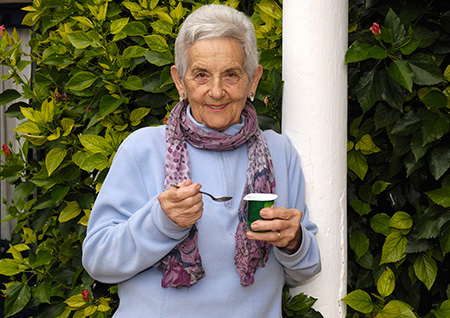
[{"x": 183, "y": 265}]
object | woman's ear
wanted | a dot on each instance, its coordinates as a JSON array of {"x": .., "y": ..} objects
[
  {"x": 255, "y": 79},
  {"x": 178, "y": 80}
]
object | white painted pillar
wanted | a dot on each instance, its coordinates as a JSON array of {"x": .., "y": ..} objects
[{"x": 315, "y": 117}]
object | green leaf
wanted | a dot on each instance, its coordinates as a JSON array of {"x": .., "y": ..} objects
[
  {"x": 380, "y": 224},
  {"x": 132, "y": 6},
  {"x": 67, "y": 124},
  {"x": 89, "y": 161},
  {"x": 394, "y": 248},
  {"x": 156, "y": 43},
  {"x": 357, "y": 163},
  {"x": 425, "y": 268},
  {"x": 410, "y": 47},
  {"x": 432, "y": 221},
  {"x": 359, "y": 243},
  {"x": 138, "y": 114},
  {"x": 76, "y": 301},
  {"x": 42, "y": 292},
  {"x": 133, "y": 83},
  {"x": 178, "y": 12},
  {"x": 80, "y": 39},
  {"x": 379, "y": 186},
  {"x": 391, "y": 310},
  {"x": 118, "y": 25},
  {"x": 59, "y": 192},
  {"x": 360, "y": 301},
  {"x": 48, "y": 110},
  {"x": 94, "y": 143},
  {"x": 433, "y": 127},
  {"x": 444, "y": 239},
  {"x": 8, "y": 96},
  {"x": 162, "y": 27},
  {"x": 392, "y": 92},
  {"x": 28, "y": 128},
  {"x": 109, "y": 104},
  {"x": 54, "y": 158},
  {"x": 439, "y": 160},
  {"x": 425, "y": 69},
  {"x": 417, "y": 147},
  {"x": 386, "y": 283},
  {"x": 401, "y": 221},
  {"x": 440, "y": 196},
  {"x": 385, "y": 116},
  {"x": 134, "y": 52},
  {"x": 407, "y": 124},
  {"x": 299, "y": 304},
  {"x": 71, "y": 211},
  {"x": 17, "y": 297},
  {"x": 361, "y": 50},
  {"x": 443, "y": 311},
  {"x": 366, "y": 145},
  {"x": 10, "y": 267},
  {"x": 22, "y": 191},
  {"x": 152, "y": 84},
  {"x": 159, "y": 58},
  {"x": 85, "y": 21},
  {"x": 393, "y": 22},
  {"x": 433, "y": 98},
  {"x": 369, "y": 89},
  {"x": 135, "y": 28},
  {"x": 406, "y": 310},
  {"x": 81, "y": 81},
  {"x": 362, "y": 208},
  {"x": 402, "y": 73},
  {"x": 42, "y": 258}
]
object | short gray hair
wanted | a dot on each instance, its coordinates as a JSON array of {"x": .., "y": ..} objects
[{"x": 217, "y": 21}]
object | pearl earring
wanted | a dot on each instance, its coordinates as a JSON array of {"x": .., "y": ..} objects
[
  {"x": 252, "y": 97},
  {"x": 182, "y": 97}
]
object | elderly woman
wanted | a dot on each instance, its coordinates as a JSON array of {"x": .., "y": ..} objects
[{"x": 173, "y": 252}]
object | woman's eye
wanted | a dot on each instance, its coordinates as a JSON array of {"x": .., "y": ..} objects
[{"x": 201, "y": 75}]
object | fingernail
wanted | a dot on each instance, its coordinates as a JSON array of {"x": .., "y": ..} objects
[{"x": 255, "y": 226}]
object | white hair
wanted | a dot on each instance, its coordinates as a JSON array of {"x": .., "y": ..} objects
[{"x": 217, "y": 21}]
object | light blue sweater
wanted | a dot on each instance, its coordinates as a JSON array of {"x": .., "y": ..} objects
[{"x": 128, "y": 233}]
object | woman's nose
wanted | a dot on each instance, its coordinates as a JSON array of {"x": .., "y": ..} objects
[{"x": 216, "y": 90}]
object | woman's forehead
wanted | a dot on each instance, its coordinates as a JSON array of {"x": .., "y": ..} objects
[{"x": 212, "y": 53}]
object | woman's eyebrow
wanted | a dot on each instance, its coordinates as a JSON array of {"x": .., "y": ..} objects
[
  {"x": 199, "y": 69},
  {"x": 232, "y": 69}
]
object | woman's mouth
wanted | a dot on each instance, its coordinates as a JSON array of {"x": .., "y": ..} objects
[{"x": 217, "y": 107}]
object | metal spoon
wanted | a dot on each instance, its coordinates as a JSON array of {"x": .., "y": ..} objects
[{"x": 220, "y": 199}]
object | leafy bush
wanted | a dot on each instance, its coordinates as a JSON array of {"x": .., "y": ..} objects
[
  {"x": 102, "y": 70},
  {"x": 399, "y": 159}
]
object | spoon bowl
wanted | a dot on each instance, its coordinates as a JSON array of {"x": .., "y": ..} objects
[{"x": 219, "y": 199}]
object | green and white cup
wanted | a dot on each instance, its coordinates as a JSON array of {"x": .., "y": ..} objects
[{"x": 255, "y": 203}]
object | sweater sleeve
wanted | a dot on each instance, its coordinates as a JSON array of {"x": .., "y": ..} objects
[
  {"x": 305, "y": 263},
  {"x": 128, "y": 231}
]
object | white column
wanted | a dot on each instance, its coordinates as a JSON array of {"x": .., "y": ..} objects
[{"x": 315, "y": 117}]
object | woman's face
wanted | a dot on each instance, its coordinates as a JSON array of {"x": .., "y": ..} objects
[{"x": 215, "y": 82}]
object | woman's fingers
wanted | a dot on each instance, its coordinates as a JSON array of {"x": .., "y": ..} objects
[
  {"x": 183, "y": 205},
  {"x": 283, "y": 228}
]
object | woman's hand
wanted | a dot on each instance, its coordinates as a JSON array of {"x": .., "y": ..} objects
[
  {"x": 283, "y": 226},
  {"x": 184, "y": 206}
]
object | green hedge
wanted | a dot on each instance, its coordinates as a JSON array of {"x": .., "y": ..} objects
[{"x": 399, "y": 159}]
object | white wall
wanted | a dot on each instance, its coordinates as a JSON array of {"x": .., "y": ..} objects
[{"x": 315, "y": 117}]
